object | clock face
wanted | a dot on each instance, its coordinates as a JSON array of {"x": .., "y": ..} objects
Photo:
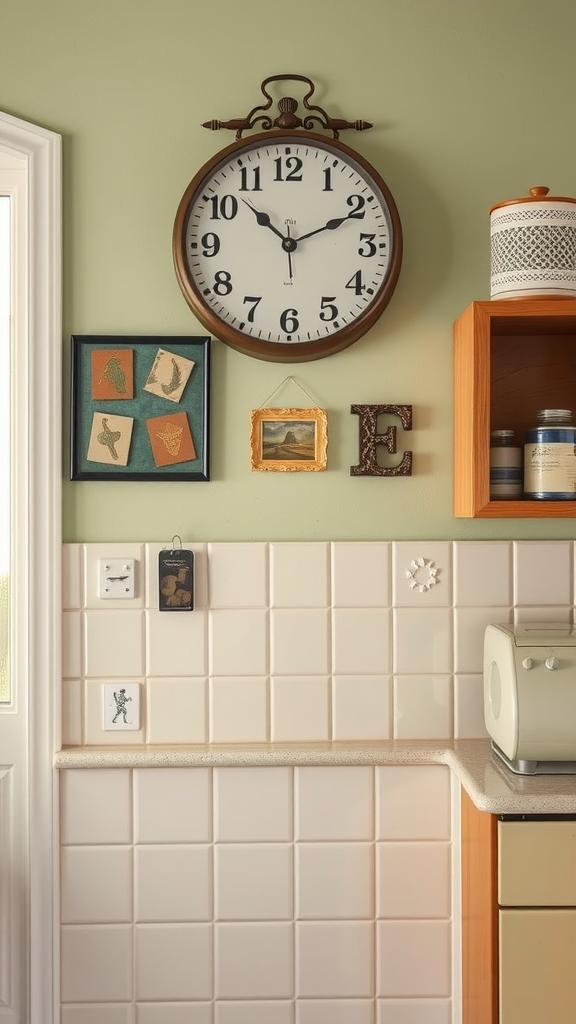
[{"x": 287, "y": 246}]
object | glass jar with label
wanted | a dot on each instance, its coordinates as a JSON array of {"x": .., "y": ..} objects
[
  {"x": 550, "y": 457},
  {"x": 505, "y": 466}
]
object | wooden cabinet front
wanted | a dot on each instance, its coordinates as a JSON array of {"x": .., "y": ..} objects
[{"x": 512, "y": 357}]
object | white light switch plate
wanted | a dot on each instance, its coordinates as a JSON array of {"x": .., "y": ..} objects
[
  {"x": 120, "y": 707},
  {"x": 116, "y": 578}
]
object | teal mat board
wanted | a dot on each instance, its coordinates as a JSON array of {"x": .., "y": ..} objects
[{"x": 194, "y": 401}]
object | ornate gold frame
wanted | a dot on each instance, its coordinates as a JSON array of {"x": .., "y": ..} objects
[{"x": 288, "y": 455}]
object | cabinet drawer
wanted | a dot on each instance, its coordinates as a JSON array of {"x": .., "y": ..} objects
[
  {"x": 537, "y": 977},
  {"x": 537, "y": 863}
]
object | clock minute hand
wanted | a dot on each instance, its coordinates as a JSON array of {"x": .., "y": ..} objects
[
  {"x": 263, "y": 219},
  {"x": 331, "y": 225}
]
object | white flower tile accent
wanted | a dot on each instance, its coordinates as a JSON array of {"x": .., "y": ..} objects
[{"x": 422, "y": 574}]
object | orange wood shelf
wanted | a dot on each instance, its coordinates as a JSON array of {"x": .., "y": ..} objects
[{"x": 511, "y": 358}]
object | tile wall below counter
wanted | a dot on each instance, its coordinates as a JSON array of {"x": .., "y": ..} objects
[
  {"x": 302, "y": 641},
  {"x": 258, "y": 896}
]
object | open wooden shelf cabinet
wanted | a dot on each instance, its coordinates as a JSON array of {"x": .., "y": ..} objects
[{"x": 511, "y": 358}]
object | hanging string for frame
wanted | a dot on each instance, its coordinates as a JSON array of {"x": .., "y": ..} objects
[
  {"x": 292, "y": 380},
  {"x": 176, "y": 578}
]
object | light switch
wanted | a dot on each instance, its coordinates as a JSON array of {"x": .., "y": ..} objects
[
  {"x": 116, "y": 578},
  {"x": 120, "y": 707}
]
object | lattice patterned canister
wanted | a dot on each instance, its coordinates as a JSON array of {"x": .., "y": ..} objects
[{"x": 533, "y": 246}]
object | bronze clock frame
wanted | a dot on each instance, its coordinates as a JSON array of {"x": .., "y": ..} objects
[{"x": 291, "y": 129}]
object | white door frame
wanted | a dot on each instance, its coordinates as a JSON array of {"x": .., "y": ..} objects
[{"x": 39, "y": 464}]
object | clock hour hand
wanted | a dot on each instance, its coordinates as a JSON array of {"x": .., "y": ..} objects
[
  {"x": 331, "y": 225},
  {"x": 263, "y": 219}
]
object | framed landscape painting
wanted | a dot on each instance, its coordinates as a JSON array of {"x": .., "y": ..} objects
[{"x": 288, "y": 440}]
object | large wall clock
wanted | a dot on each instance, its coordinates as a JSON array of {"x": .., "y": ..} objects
[{"x": 288, "y": 244}]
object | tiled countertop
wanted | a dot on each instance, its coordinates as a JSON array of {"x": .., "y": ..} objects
[{"x": 490, "y": 785}]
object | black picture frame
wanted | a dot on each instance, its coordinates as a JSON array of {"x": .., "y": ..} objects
[{"x": 190, "y": 408}]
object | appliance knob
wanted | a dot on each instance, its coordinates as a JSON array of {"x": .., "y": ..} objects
[
  {"x": 551, "y": 663},
  {"x": 527, "y": 663}
]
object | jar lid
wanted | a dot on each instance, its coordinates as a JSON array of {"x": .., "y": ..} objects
[
  {"x": 537, "y": 193},
  {"x": 554, "y": 414},
  {"x": 502, "y": 433}
]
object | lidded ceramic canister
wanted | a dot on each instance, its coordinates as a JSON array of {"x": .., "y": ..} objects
[{"x": 533, "y": 246}]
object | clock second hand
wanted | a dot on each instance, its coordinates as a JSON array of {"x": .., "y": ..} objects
[{"x": 289, "y": 252}]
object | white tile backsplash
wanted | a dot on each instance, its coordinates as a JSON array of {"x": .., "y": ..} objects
[
  {"x": 543, "y": 573},
  {"x": 299, "y": 640},
  {"x": 361, "y": 574},
  {"x": 299, "y": 575},
  {"x": 238, "y": 710},
  {"x": 304, "y": 641},
  {"x": 311, "y": 895}
]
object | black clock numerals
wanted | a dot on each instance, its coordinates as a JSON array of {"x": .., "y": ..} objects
[
  {"x": 225, "y": 207},
  {"x": 222, "y": 283},
  {"x": 250, "y": 179},
  {"x": 289, "y": 322},
  {"x": 356, "y": 283},
  {"x": 367, "y": 246},
  {"x": 254, "y": 300},
  {"x": 210, "y": 244},
  {"x": 328, "y": 311},
  {"x": 288, "y": 168},
  {"x": 357, "y": 203}
]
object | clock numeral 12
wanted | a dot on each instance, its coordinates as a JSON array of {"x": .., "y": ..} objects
[{"x": 293, "y": 168}]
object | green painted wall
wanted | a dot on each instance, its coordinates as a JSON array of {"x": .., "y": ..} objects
[{"x": 472, "y": 102}]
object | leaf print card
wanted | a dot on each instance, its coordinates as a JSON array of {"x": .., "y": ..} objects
[
  {"x": 171, "y": 439},
  {"x": 169, "y": 375},
  {"x": 110, "y": 438},
  {"x": 112, "y": 374}
]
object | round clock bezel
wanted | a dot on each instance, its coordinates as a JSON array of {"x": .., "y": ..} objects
[{"x": 271, "y": 350}]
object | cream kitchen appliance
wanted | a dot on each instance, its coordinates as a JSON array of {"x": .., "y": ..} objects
[{"x": 530, "y": 696}]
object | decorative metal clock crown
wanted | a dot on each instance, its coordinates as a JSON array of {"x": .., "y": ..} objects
[{"x": 288, "y": 119}]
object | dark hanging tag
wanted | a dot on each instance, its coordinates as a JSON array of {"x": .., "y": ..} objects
[{"x": 176, "y": 580}]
